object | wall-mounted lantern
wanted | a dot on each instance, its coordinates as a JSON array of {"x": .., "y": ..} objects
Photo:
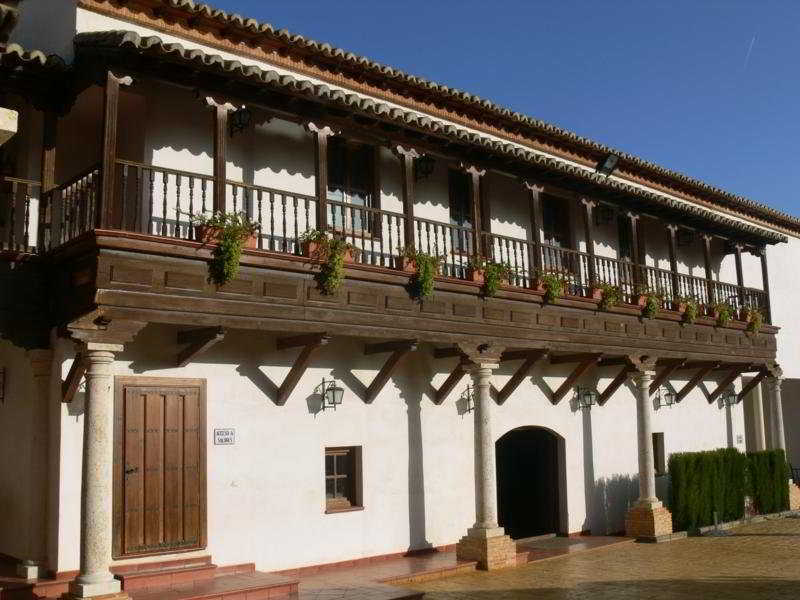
[
  {"x": 468, "y": 399},
  {"x": 585, "y": 397},
  {"x": 607, "y": 165},
  {"x": 666, "y": 397},
  {"x": 332, "y": 394},
  {"x": 730, "y": 397},
  {"x": 423, "y": 167},
  {"x": 240, "y": 120}
]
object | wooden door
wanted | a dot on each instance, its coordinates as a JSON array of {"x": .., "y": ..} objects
[{"x": 159, "y": 465}]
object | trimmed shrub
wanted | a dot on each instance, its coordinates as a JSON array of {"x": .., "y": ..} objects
[
  {"x": 704, "y": 483},
  {"x": 768, "y": 481}
]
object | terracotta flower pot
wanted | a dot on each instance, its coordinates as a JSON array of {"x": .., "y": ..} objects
[
  {"x": 597, "y": 293},
  {"x": 405, "y": 264},
  {"x": 208, "y": 234},
  {"x": 318, "y": 251},
  {"x": 477, "y": 275},
  {"x": 640, "y": 300}
]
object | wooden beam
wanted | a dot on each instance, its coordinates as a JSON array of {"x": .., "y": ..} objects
[
  {"x": 220, "y": 155},
  {"x": 573, "y": 358},
  {"x": 386, "y": 371},
  {"x": 306, "y": 339},
  {"x": 698, "y": 364},
  {"x": 729, "y": 379},
  {"x": 48, "y": 176},
  {"x": 321, "y": 134},
  {"x": 512, "y": 384},
  {"x": 392, "y": 346},
  {"x": 614, "y": 385},
  {"x": 750, "y": 385},
  {"x": 694, "y": 382},
  {"x": 447, "y": 352},
  {"x": 708, "y": 268},
  {"x": 73, "y": 380},
  {"x": 199, "y": 341},
  {"x": 614, "y": 361},
  {"x": 520, "y": 354},
  {"x": 668, "y": 370},
  {"x": 105, "y": 217},
  {"x": 451, "y": 382},
  {"x": 588, "y": 229},
  {"x": 314, "y": 341},
  {"x": 584, "y": 366},
  {"x": 535, "y": 208},
  {"x": 672, "y": 245},
  {"x": 408, "y": 177}
]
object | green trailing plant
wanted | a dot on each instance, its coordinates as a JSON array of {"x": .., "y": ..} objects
[
  {"x": 230, "y": 231},
  {"x": 755, "y": 320},
  {"x": 554, "y": 285},
  {"x": 494, "y": 273},
  {"x": 652, "y": 302},
  {"x": 330, "y": 251},
  {"x": 691, "y": 308},
  {"x": 724, "y": 313},
  {"x": 426, "y": 267},
  {"x": 611, "y": 296}
]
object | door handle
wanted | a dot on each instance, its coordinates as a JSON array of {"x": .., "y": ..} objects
[{"x": 131, "y": 470}]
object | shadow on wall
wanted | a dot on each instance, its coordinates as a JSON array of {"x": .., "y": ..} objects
[{"x": 611, "y": 497}]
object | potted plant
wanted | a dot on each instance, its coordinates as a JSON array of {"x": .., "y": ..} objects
[
  {"x": 229, "y": 232},
  {"x": 610, "y": 295},
  {"x": 652, "y": 303},
  {"x": 553, "y": 284},
  {"x": 491, "y": 274},
  {"x": 688, "y": 307},
  {"x": 316, "y": 244},
  {"x": 723, "y": 313},
  {"x": 754, "y": 319},
  {"x": 425, "y": 268},
  {"x": 331, "y": 252}
]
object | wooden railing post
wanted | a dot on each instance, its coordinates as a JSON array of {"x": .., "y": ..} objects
[
  {"x": 321, "y": 134},
  {"x": 588, "y": 229},
  {"x": 762, "y": 253},
  {"x": 220, "y": 124},
  {"x": 709, "y": 271},
  {"x": 672, "y": 232},
  {"x": 639, "y": 278},
  {"x": 106, "y": 212},
  {"x": 535, "y": 208},
  {"x": 407, "y": 157},
  {"x": 48, "y": 178},
  {"x": 737, "y": 254},
  {"x": 478, "y": 206}
]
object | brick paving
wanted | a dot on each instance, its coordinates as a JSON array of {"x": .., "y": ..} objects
[{"x": 760, "y": 560}]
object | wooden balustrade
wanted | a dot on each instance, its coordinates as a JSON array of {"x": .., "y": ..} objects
[
  {"x": 378, "y": 236},
  {"x": 75, "y": 204},
  {"x": 20, "y": 212},
  {"x": 455, "y": 244}
]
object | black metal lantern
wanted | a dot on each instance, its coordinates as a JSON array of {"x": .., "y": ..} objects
[
  {"x": 586, "y": 397},
  {"x": 240, "y": 120},
  {"x": 423, "y": 167},
  {"x": 730, "y": 398},
  {"x": 468, "y": 397},
  {"x": 608, "y": 164},
  {"x": 603, "y": 215},
  {"x": 666, "y": 397},
  {"x": 332, "y": 394}
]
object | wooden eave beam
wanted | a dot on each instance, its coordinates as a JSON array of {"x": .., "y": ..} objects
[
  {"x": 73, "y": 380},
  {"x": 452, "y": 381},
  {"x": 582, "y": 367},
  {"x": 615, "y": 384},
  {"x": 521, "y": 354},
  {"x": 751, "y": 385},
  {"x": 399, "y": 350},
  {"x": 729, "y": 379},
  {"x": 702, "y": 364},
  {"x": 669, "y": 369},
  {"x": 575, "y": 358},
  {"x": 199, "y": 341},
  {"x": 310, "y": 343},
  {"x": 447, "y": 352},
  {"x": 512, "y": 384},
  {"x": 695, "y": 381},
  {"x": 614, "y": 361}
]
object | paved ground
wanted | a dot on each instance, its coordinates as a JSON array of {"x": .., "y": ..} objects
[{"x": 760, "y": 561}]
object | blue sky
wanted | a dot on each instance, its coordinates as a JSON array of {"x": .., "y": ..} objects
[{"x": 710, "y": 88}]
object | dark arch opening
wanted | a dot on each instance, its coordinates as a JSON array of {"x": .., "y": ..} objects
[{"x": 531, "y": 480}]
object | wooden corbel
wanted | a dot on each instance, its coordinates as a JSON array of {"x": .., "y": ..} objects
[
  {"x": 447, "y": 352},
  {"x": 199, "y": 341},
  {"x": 398, "y": 349},
  {"x": 309, "y": 342},
  {"x": 531, "y": 357},
  {"x": 73, "y": 380},
  {"x": 752, "y": 384},
  {"x": 615, "y": 384},
  {"x": 723, "y": 385},
  {"x": 452, "y": 381},
  {"x": 695, "y": 381},
  {"x": 669, "y": 367},
  {"x": 588, "y": 361}
]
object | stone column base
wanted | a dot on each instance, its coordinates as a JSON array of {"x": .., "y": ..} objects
[
  {"x": 101, "y": 589},
  {"x": 794, "y": 495},
  {"x": 490, "y": 548},
  {"x": 649, "y": 523}
]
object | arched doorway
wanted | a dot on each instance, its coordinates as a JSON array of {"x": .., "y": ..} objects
[{"x": 530, "y": 482}]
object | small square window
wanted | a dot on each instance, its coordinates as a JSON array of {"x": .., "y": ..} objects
[{"x": 342, "y": 479}]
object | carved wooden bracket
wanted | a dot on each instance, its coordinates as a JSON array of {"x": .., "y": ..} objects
[
  {"x": 310, "y": 342},
  {"x": 452, "y": 381},
  {"x": 615, "y": 384},
  {"x": 695, "y": 381},
  {"x": 723, "y": 385},
  {"x": 752, "y": 384},
  {"x": 588, "y": 361},
  {"x": 398, "y": 349},
  {"x": 199, "y": 341},
  {"x": 530, "y": 358},
  {"x": 669, "y": 367},
  {"x": 73, "y": 380}
]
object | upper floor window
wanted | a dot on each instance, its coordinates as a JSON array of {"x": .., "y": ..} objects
[
  {"x": 351, "y": 177},
  {"x": 625, "y": 237},
  {"x": 460, "y": 193},
  {"x": 555, "y": 222}
]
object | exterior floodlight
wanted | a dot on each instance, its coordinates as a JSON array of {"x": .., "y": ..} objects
[{"x": 608, "y": 164}]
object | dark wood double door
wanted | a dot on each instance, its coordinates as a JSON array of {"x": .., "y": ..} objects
[{"x": 159, "y": 465}]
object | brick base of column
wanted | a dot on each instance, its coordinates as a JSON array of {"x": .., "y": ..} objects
[
  {"x": 794, "y": 496},
  {"x": 490, "y": 551},
  {"x": 649, "y": 524}
]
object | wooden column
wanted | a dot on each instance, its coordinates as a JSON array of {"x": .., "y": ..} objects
[
  {"x": 672, "y": 232},
  {"x": 762, "y": 253},
  {"x": 48, "y": 176},
  {"x": 588, "y": 229},
  {"x": 475, "y": 206},
  {"x": 220, "y": 123},
  {"x": 709, "y": 271},
  {"x": 407, "y": 157},
  {"x": 535, "y": 207},
  {"x": 737, "y": 254},
  {"x": 106, "y": 212},
  {"x": 636, "y": 257},
  {"x": 321, "y": 134}
]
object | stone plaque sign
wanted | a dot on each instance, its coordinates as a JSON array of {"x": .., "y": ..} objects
[{"x": 224, "y": 437}]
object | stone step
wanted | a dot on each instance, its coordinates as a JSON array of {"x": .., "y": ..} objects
[
  {"x": 165, "y": 577},
  {"x": 242, "y": 586}
]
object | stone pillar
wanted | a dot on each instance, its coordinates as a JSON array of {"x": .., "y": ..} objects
[
  {"x": 648, "y": 519},
  {"x": 95, "y": 578},
  {"x": 485, "y": 541},
  {"x": 34, "y": 563},
  {"x": 777, "y": 436}
]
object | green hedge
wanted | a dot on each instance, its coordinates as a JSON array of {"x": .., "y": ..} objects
[
  {"x": 768, "y": 487},
  {"x": 718, "y": 480}
]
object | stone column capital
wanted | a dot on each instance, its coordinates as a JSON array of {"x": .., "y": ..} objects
[
  {"x": 100, "y": 348},
  {"x": 483, "y": 354}
]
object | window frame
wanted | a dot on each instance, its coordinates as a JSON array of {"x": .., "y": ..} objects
[
  {"x": 353, "y": 500},
  {"x": 369, "y": 224}
]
